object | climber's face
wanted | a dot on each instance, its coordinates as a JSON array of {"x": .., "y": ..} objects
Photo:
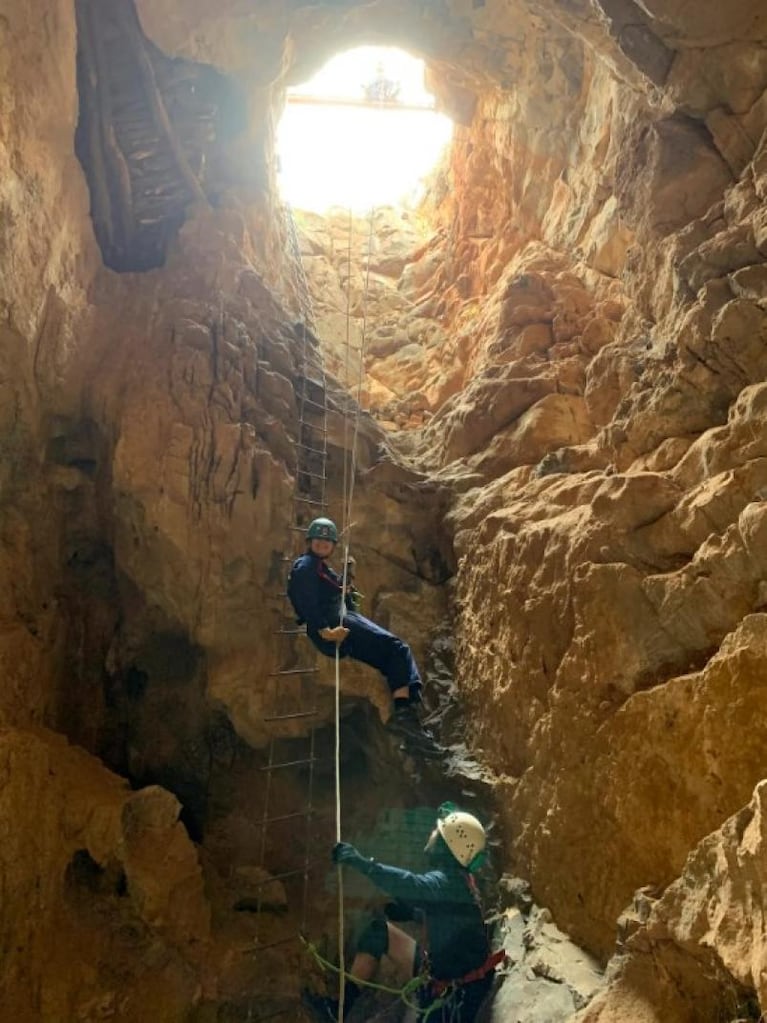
[{"x": 322, "y": 548}]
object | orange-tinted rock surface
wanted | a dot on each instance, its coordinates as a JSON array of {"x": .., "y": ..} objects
[{"x": 561, "y": 463}]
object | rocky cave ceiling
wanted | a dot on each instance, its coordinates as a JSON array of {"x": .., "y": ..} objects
[
  {"x": 160, "y": 108},
  {"x": 561, "y": 493},
  {"x": 149, "y": 133}
]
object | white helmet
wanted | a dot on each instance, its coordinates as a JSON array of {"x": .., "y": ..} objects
[{"x": 463, "y": 835}]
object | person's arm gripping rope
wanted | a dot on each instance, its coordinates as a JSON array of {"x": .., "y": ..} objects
[{"x": 403, "y": 885}]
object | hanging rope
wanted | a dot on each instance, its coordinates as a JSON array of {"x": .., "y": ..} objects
[
  {"x": 347, "y": 354},
  {"x": 339, "y": 866},
  {"x": 346, "y": 533},
  {"x": 339, "y": 870},
  {"x": 360, "y": 380}
]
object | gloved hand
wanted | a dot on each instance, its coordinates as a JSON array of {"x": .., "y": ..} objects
[
  {"x": 398, "y": 912},
  {"x": 335, "y": 635},
  {"x": 344, "y": 852}
]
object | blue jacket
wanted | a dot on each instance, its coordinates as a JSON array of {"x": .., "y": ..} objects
[
  {"x": 315, "y": 592},
  {"x": 457, "y": 941}
]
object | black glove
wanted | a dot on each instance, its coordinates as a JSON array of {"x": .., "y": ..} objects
[
  {"x": 398, "y": 912},
  {"x": 344, "y": 852}
]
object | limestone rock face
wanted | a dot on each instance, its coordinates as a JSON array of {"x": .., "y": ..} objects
[
  {"x": 548, "y": 977},
  {"x": 701, "y": 931},
  {"x": 379, "y": 312},
  {"x": 48, "y": 260},
  {"x": 561, "y": 464},
  {"x": 93, "y": 867},
  {"x": 45, "y": 236}
]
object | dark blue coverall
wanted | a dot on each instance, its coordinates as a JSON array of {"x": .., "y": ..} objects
[
  {"x": 315, "y": 593},
  {"x": 456, "y": 937}
]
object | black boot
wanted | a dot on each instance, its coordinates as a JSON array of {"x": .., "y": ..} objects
[{"x": 405, "y": 725}]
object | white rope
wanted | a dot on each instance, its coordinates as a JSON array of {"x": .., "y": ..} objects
[
  {"x": 347, "y": 355},
  {"x": 360, "y": 376},
  {"x": 339, "y": 868},
  {"x": 346, "y": 533}
]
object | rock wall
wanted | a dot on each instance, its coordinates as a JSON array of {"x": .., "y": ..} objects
[
  {"x": 594, "y": 402},
  {"x": 698, "y": 944},
  {"x": 104, "y": 912},
  {"x": 648, "y": 376},
  {"x": 566, "y": 362},
  {"x": 149, "y": 430},
  {"x": 49, "y": 259}
]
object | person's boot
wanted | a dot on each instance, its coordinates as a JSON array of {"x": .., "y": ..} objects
[{"x": 405, "y": 725}]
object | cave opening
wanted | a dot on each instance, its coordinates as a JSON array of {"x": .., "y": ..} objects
[{"x": 363, "y": 131}]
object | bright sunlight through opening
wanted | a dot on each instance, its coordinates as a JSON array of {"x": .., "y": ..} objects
[{"x": 362, "y": 132}]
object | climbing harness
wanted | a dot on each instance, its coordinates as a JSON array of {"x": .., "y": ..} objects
[
  {"x": 444, "y": 996},
  {"x": 439, "y": 987}
]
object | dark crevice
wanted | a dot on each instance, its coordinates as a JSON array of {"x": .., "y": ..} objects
[
  {"x": 689, "y": 663},
  {"x": 634, "y": 32},
  {"x": 78, "y": 462},
  {"x": 161, "y": 730},
  {"x": 77, "y": 444},
  {"x": 84, "y": 876},
  {"x": 150, "y": 135}
]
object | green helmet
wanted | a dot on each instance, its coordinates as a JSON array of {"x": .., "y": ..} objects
[{"x": 322, "y": 529}]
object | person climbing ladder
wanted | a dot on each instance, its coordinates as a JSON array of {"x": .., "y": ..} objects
[
  {"x": 315, "y": 591},
  {"x": 454, "y": 958}
]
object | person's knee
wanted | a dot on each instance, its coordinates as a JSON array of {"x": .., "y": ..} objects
[{"x": 374, "y": 939}]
